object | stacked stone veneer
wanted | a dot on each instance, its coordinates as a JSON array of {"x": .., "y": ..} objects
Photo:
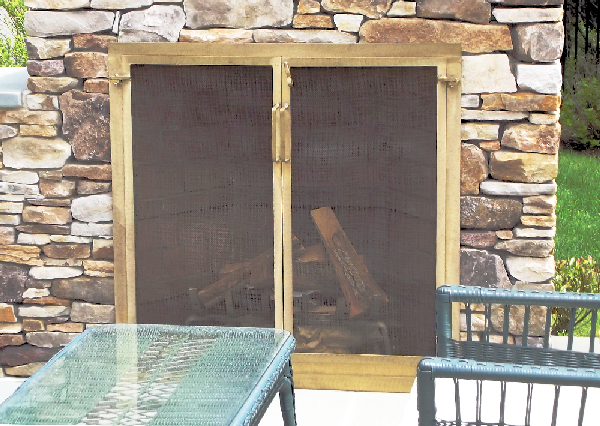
[{"x": 56, "y": 255}]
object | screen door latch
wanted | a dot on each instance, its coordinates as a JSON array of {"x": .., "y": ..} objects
[
  {"x": 288, "y": 73},
  {"x": 118, "y": 79},
  {"x": 451, "y": 81}
]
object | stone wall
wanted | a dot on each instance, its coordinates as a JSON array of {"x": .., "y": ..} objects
[{"x": 56, "y": 255}]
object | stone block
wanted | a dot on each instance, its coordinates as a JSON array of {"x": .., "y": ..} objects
[
  {"x": 103, "y": 249},
  {"x": 478, "y": 239},
  {"x": 88, "y": 171},
  {"x": 479, "y": 131},
  {"x": 473, "y": 169},
  {"x": 18, "y": 188},
  {"x": 7, "y": 313},
  {"x": 216, "y": 35},
  {"x": 34, "y": 311},
  {"x": 487, "y": 73},
  {"x": 25, "y": 370},
  {"x": 302, "y": 36},
  {"x": 98, "y": 268},
  {"x": 33, "y": 325},
  {"x": 538, "y": 42},
  {"x": 402, "y": 8},
  {"x": 96, "y": 42},
  {"x": 540, "y": 204},
  {"x": 39, "y": 228},
  {"x": 68, "y": 327},
  {"x": 516, "y": 15},
  {"x": 521, "y": 101},
  {"x": 20, "y": 355},
  {"x": 541, "y": 78},
  {"x": 70, "y": 239},
  {"x": 309, "y": 6},
  {"x": 54, "y": 272},
  {"x": 38, "y": 130},
  {"x": 155, "y": 24},
  {"x": 86, "y": 125},
  {"x": 87, "y": 187},
  {"x": 52, "y": 84},
  {"x": 238, "y": 13},
  {"x": 542, "y": 221},
  {"x": 67, "y": 251},
  {"x": 50, "y": 24},
  {"x": 33, "y": 239},
  {"x": 505, "y": 234},
  {"x": 33, "y": 293},
  {"x": 470, "y": 101},
  {"x": 530, "y": 269},
  {"x": 93, "y": 290},
  {"x": 543, "y": 139},
  {"x": 24, "y": 177},
  {"x": 531, "y": 2},
  {"x": 52, "y": 188},
  {"x": 527, "y": 247},
  {"x": 540, "y": 118},
  {"x": 479, "y": 115},
  {"x": 96, "y": 85},
  {"x": 50, "y": 202},
  {"x": 312, "y": 21},
  {"x": 93, "y": 208},
  {"x": 47, "y": 215},
  {"x": 371, "y": 8},
  {"x": 92, "y": 229},
  {"x": 9, "y": 219},
  {"x": 86, "y": 64},
  {"x": 91, "y": 313},
  {"x": 47, "y": 48},
  {"x": 49, "y": 67},
  {"x": 7, "y": 235},
  {"x": 11, "y": 328},
  {"x": 523, "y": 167},
  {"x": 23, "y": 116},
  {"x": 522, "y": 232},
  {"x": 56, "y": 4},
  {"x": 49, "y": 261},
  {"x": 489, "y": 213},
  {"x": 481, "y": 268},
  {"x": 119, "y": 4},
  {"x": 8, "y": 207},
  {"x": 49, "y": 339},
  {"x": 24, "y": 255},
  {"x": 41, "y": 102},
  {"x": 516, "y": 319},
  {"x": 478, "y": 11},
  {"x": 7, "y": 132},
  {"x": 474, "y": 38}
]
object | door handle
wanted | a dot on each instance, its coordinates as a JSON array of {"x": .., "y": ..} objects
[
  {"x": 276, "y": 133},
  {"x": 286, "y": 132}
]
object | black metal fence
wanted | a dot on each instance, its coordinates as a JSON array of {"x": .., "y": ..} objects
[{"x": 582, "y": 45}]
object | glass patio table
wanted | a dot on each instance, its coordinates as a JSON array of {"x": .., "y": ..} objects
[{"x": 159, "y": 375}]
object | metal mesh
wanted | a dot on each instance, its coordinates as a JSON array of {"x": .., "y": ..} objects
[{"x": 364, "y": 146}]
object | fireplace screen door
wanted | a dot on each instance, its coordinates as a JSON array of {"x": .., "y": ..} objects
[{"x": 303, "y": 191}]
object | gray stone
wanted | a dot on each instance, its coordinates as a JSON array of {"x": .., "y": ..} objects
[
  {"x": 119, "y": 4},
  {"x": 544, "y": 118},
  {"x": 86, "y": 124},
  {"x": 216, "y": 35},
  {"x": 530, "y": 269},
  {"x": 33, "y": 239},
  {"x": 40, "y": 311},
  {"x": 473, "y": 168},
  {"x": 93, "y": 290},
  {"x": 49, "y": 24},
  {"x": 540, "y": 78},
  {"x": 41, "y": 102},
  {"x": 538, "y": 42},
  {"x": 22, "y": 355},
  {"x": 7, "y": 132},
  {"x": 54, "y": 272},
  {"x": 533, "y": 248},
  {"x": 348, "y": 22},
  {"x": 526, "y": 15},
  {"x": 19, "y": 188},
  {"x": 35, "y": 153},
  {"x": 57, "y": 4},
  {"x": 487, "y": 74},
  {"x": 156, "y": 24},
  {"x": 478, "y": 239},
  {"x": 542, "y": 139},
  {"x": 12, "y": 282},
  {"x": 90, "y": 313},
  {"x": 49, "y": 339},
  {"x": 371, "y": 8},
  {"x": 489, "y": 213},
  {"x": 303, "y": 36},
  {"x": 522, "y": 232},
  {"x": 93, "y": 208},
  {"x": 43, "y": 48},
  {"x": 46, "y": 68},
  {"x": 480, "y": 268},
  {"x": 238, "y": 13},
  {"x": 478, "y": 11},
  {"x": 92, "y": 229},
  {"x": 516, "y": 319},
  {"x": 470, "y": 101},
  {"x": 58, "y": 84},
  {"x": 24, "y": 177},
  {"x": 493, "y": 187},
  {"x": 479, "y": 115}
]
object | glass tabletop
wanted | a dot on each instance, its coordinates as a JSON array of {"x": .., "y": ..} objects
[{"x": 148, "y": 375}]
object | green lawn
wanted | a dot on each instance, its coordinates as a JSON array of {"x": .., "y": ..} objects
[{"x": 578, "y": 205}]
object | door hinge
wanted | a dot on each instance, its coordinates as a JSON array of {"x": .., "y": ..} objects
[
  {"x": 288, "y": 73},
  {"x": 118, "y": 79}
]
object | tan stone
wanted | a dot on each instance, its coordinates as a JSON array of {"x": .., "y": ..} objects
[
  {"x": 541, "y": 118},
  {"x": 51, "y": 23},
  {"x": 478, "y": 11},
  {"x": 102, "y": 249},
  {"x": 403, "y": 8},
  {"x": 216, "y": 35},
  {"x": 479, "y": 115},
  {"x": 47, "y": 48},
  {"x": 544, "y": 139},
  {"x": 24, "y": 255},
  {"x": 67, "y": 251},
  {"x": 45, "y": 68},
  {"x": 347, "y": 22},
  {"x": 474, "y": 38},
  {"x": 489, "y": 73},
  {"x": 490, "y": 145},
  {"x": 370, "y": 8},
  {"x": 7, "y": 313},
  {"x": 57, "y": 4},
  {"x": 489, "y": 213},
  {"x": 523, "y": 167},
  {"x": 527, "y": 247},
  {"x": 41, "y": 102},
  {"x": 522, "y": 101},
  {"x": 86, "y": 64},
  {"x": 505, "y": 234},
  {"x": 238, "y": 13},
  {"x": 11, "y": 328},
  {"x": 96, "y": 85},
  {"x": 48, "y": 261},
  {"x": 98, "y": 42},
  {"x": 93, "y": 172},
  {"x": 539, "y": 204},
  {"x": 302, "y": 36},
  {"x": 11, "y": 340},
  {"x": 516, "y": 319},
  {"x": 52, "y": 188},
  {"x": 23, "y": 116},
  {"x": 87, "y": 187},
  {"x": 50, "y": 174},
  {"x": 492, "y": 101},
  {"x": 67, "y": 327},
  {"x": 24, "y": 370},
  {"x": 47, "y": 215},
  {"x": 473, "y": 169},
  {"x": 309, "y": 6},
  {"x": 479, "y": 131},
  {"x": 48, "y": 300},
  {"x": 98, "y": 268},
  {"x": 542, "y": 221},
  {"x": 527, "y": 14},
  {"x": 34, "y": 152},
  {"x": 52, "y": 84},
  {"x": 38, "y": 130},
  {"x": 7, "y": 235},
  {"x": 312, "y": 21},
  {"x": 33, "y": 325},
  {"x": 11, "y": 207}
]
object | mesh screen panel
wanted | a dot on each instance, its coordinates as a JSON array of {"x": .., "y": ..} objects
[
  {"x": 203, "y": 193},
  {"x": 365, "y": 149}
]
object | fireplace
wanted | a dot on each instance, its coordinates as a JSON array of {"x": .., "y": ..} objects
[{"x": 312, "y": 188}]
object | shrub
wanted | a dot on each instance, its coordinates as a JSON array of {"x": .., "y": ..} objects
[
  {"x": 579, "y": 118},
  {"x": 14, "y": 54},
  {"x": 580, "y": 275}
]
